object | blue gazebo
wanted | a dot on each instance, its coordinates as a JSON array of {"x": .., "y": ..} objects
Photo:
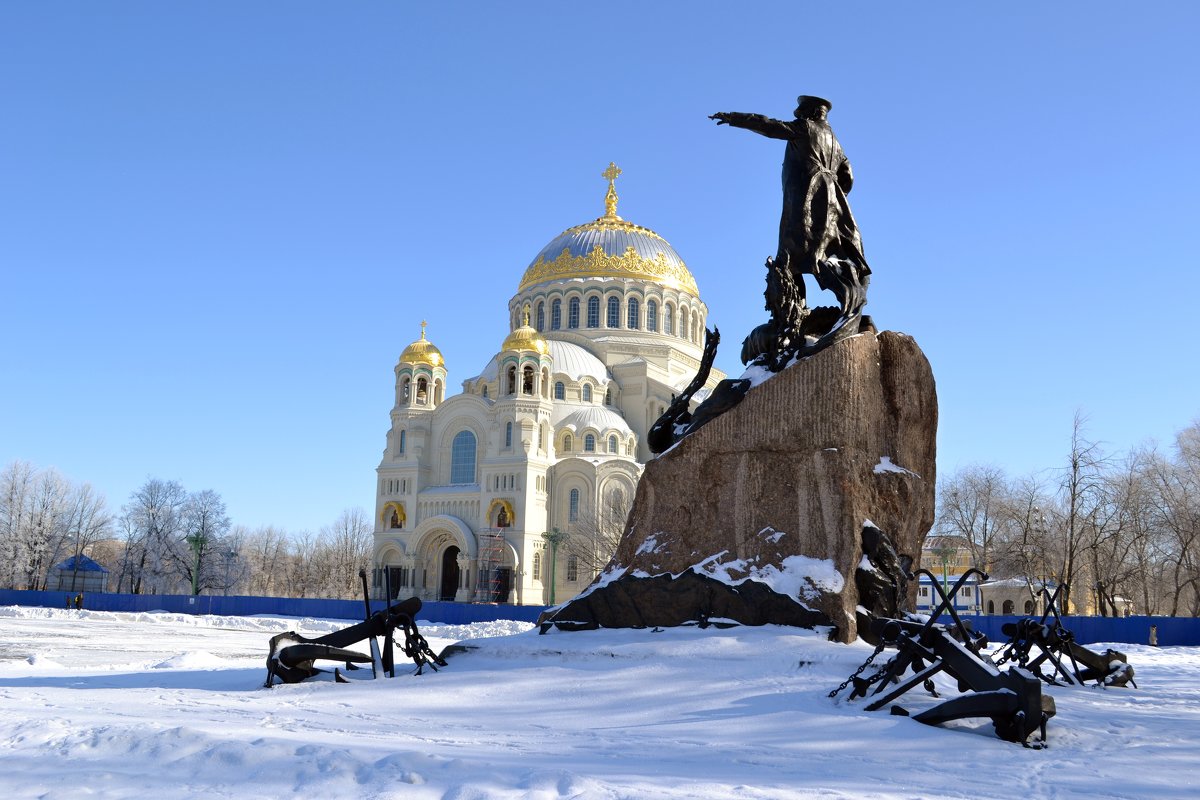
[{"x": 77, "y": 574}]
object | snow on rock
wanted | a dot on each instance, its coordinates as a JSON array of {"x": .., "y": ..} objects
[
  {"x": 885, "y": 465},
  {"x": 801, "y": 577}
]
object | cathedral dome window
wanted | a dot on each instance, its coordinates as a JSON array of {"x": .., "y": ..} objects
[
  {"x": 422, "y": 391},
  {"x": 462, "y": 458},
  {"x": 405, "y": 389},
  {"x": 668, "y": 320},
  {"x": 587, "y": 393},
  {"x": 589, "y": 443},
  {"x": 541, "y": 316},
  {"x": 556, "y": 315},
  {"x": 567, "y": 443},
  {"x": 652, "y": 316},
  {"x": 512, "y": 380},
  {"x": 614, "y": 313},
  {"x": 633, "y": 314},
  {"x": 683, "y": 322},
  {"x": 593, "y": 318},
  {"x": 612, "y": 444},
  {"x": 573, "y": 313},
  {"x": 527, "y": 380},
  {"x": 560, "y": 391}
]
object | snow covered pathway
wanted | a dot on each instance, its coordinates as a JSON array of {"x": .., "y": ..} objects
[{"x": 133, "y": 705}]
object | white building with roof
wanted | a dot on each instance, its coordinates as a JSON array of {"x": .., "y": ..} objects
[{"x": 607, "y": 325}]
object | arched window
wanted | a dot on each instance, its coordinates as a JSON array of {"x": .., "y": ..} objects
[
  {"x": 593, "y": 312},
  {"x": 1029, "y": 607},
  {"x": 1007, "y": 608},
  {"x": 652, "y": 316},
  {"x": 560, "y": 391},
  {"x": 511, "y": 373},
  {"x": 612, "y": 444},
  {"x": 573, "y": 506},
  {"x": 608, "y": 396},
  {"x": 541, "y": 316},
  {"x": 405, "y": 389},
  {"x": 541, "y": 437},
  {"x": 630, "y": 447},
  {"x": 508, "y": 434},
  {"x": 573, "y": 313},
  {"x": 402, "y": 437},
  {"x": 545, "y": 383},
  {"x": 614, "y": 313},
  {"x": 567, "y": 443},
  {"x": 422, "y": 391},
  {"x": 589, "y": 443},
  {"x": 556, "y": 315},
  {"x": 683, "y": 322},
  {"x": 572, "y": 568},
  {"x": 633, "y": 314},
  {"x": 462, "y": 458},
  {"x": 668, "y": 320},
  {"x": 527, "y": 380},
  {"x": 485, "y": 390},
  {"x": 537, "y": 566},
  {"x": 696, "y": 327},
  {"x": 587, "y": 393},
  {"x": 991, "y": 607}
]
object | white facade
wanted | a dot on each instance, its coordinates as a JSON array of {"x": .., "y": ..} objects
[{"x": 606, "y": 326}]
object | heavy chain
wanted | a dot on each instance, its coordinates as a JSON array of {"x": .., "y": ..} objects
[{"x": 859, "y": 671}]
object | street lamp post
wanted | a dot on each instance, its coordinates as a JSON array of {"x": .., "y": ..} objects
[
  {"x": 196, "y": 542},
  {"x": 553, "y": 537}
]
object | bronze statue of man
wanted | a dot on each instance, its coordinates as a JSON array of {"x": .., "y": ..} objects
[{"x": 817, "y": 232}]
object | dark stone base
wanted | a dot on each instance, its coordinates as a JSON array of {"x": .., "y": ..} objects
[{"x": 667, "y": 601}]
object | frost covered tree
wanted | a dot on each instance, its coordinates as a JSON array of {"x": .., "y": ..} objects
[{"x": 152, "y": 522}]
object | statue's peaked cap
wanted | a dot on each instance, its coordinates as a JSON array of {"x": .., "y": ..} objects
[{"x": 808, "y": 99}]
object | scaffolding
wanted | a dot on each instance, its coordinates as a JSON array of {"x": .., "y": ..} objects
[{"x": 491, "y": 561}]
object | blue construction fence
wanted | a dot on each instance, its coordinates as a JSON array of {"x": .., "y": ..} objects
[
  {"x": 241, "y": 606},
  {"x": 1171, "y": 631}
]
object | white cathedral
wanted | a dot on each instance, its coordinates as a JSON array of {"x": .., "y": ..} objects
[{"x": 511, "y": 491}]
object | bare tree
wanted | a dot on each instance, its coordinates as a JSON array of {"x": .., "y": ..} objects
[
  {"x": 152, "y": 522},
  {"x": 973, "y": 504}
]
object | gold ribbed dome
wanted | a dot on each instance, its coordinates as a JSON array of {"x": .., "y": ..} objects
[
  {"x": 526, "y": 339},
  {"x": 422, "y": 351},
  {"x": 610, "y": 247}
]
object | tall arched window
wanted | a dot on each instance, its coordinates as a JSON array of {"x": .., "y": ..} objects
[
  {"x": 537, "y": 566},
  {"x": 556, "y": 315},
  {"x": 527, "y": 380},
  {"x": 573, "y": 506},
  {"x": 652, "y": 316},
  {"x": 422, "y": 391},
  {"x": 608, "y": 396},
  {"x": 668, "y": 320},
  {"x": 612, "y": 444},
  {"x": 633, "y": 314},
  {"x": 560, "y": 391},
  {"x": 541, "y": 316},
  {"x": 462, "y": 458},
  {"x": 402, "y": 432},
  {"x": 587, "y": 393},
  {"x": 589, "y": 443},
  {"x": 683, "y": 322},
  {"x": 573, "y": 313},
  {"x": 567, "y": 443},
  {"x": 405, "y": 389},
  {"x": 512, "y": 380},
  {"x": 508, "y": 434},
  {"x": 572, "y": 568},
  {"x": 614, "y": 313},
  {"x": 593, "y": 320}
]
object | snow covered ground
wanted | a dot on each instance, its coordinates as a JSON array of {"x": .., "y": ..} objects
[{"x": 111, "y": 705}]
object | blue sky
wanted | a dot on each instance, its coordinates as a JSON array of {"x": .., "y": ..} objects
[{"x": 221, "y": 222}]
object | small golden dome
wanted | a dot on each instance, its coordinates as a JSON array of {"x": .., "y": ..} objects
[
  {"x": 526, "y": 338},
  {"x": 422, "y": 351}
]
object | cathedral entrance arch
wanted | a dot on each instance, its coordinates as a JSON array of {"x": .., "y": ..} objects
[{"x": 449, "y": 574}]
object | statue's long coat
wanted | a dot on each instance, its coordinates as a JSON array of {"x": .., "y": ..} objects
[{"x": 816, "y": 223}]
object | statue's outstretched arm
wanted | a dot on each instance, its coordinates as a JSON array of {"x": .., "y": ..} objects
[{"x": 775, "y": 128}]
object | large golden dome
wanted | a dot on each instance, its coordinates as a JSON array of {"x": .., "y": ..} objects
[
  {"x": 610, "y": 247},
  {"x": 422, "y": 351}
]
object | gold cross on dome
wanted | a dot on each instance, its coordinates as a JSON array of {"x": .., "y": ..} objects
[
  {"x": 423, "y": 324},
  {"x": 610, "y": 200}
]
